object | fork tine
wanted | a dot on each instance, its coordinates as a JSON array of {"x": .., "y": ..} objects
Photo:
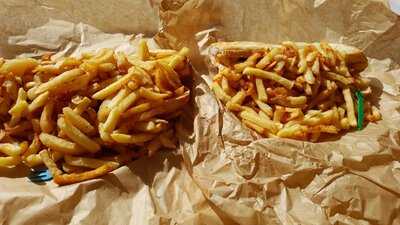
[
  {"x": 37, "y": 175},
  {"x": 36, "y": 180},
  {"x": 40, "y": 176},
  {"x": 42, "y": 179},
  {"x": 43, "y": 173}
]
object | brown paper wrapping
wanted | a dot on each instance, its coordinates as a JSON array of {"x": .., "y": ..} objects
[
  {"x": 352, "y": 180},
  {"x": 229, "y": 175},
  {"x": 148, "y": 191}
]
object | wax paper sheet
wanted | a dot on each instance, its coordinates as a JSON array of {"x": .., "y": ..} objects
[
  {"x": 155, "y": 190},
  {"x": 353, "y": 179},
  {"x": 229, "y": 175}
]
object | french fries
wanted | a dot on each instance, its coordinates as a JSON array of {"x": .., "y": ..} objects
[
  {"x": 269, "y": 76},
  {"x": 84, "y": 117},
  {"x": 298, "y": 91},
  {"x": 58, "y": 81}
]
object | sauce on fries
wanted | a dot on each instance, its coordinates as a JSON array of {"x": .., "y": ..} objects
[{"x": 292, "y": 91}]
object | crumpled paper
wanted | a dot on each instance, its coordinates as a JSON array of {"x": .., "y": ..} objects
[
  {"x": 229, "y": 176},
  {"x": 353, "y": 180},
  {"x": 148, "y": 191}
]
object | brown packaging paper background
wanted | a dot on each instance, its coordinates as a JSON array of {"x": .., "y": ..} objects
[
  {"x": 230, "y": 177},
  {"x": 354, "y": 180},
  {"x": 155, "y": 190}
]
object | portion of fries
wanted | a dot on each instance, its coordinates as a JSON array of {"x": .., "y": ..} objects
[
  {"x": 291, "y": 90},
  {"x": 84, "y": 117}
]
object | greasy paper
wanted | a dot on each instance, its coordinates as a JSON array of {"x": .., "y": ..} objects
[
  {"x": 353, "y": 179},
  {"x": 148, "y": 191}
]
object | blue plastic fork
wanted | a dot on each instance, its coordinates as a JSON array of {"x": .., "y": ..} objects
[{"x": 38, "y": 176}]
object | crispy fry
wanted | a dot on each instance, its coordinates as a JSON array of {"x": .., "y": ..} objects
[
  {"x": 295, "y": 131},
  {"x": 160, "y": 80},
  {"x": 58, "y": 81},
  {"x": 279, "y": 66},
  {"x": 33, "y": 160},
  {"x": 302, "y": 61},
  {"x": 90, "y": 68},
  {"x": 122, "y": 62},
  {"x": 151, "y": 95},
  {"x": 11, "y": 149},
  {"x": 254, "y": 126},
  {"x": 59, "y": 144},
  {"x": 350, "y": 107},
  {"x": 315, "y": 69},
  {"x": 179, "y": 58},
  {"x": 171, "y": 76},
  {"x": 115, "y": 114},
  {"x": 20, "y": 107},
  {"x": 38, "y": 102},
  {"x": 328, "y": 129},
  {"x": 294, "y": 113},
  {"x": 311, "y": 56},
  {"x": 114, "y": 87},
  {"x": 65, "y": 179},
  {"x": 337, "y": 77},
  {"x": 50, "y": 164},
  {"x": 72, "y": 169},
  {"x": 225, "y": 86},
  {"x": 219, "y": 92},
  {"x": 236, "y": 101},
  {"x": 9, "y": 161},
  {"x": 78, "y": 121},
  {"x": 254, "y": 118},
  {"x": 105, "y": 136},
  {"x": 262, "y": 94},
  {"x": 150, "y": 126},
  {"x": 82, "y": 105},
  {"x": 106, "y": 67},
  {"x": 376, "y": 115},
  {"x": 298, "y": 101},
  {"x": 344, "y": 123},
  {"x": 77, "y": 136},
  {"x": 268, "y": 57},
  {"x": 146, "y": 65},
  {"x": 84, "y": 161},
  {"x": 251, "y": 61},
  {"x": 162, "y": 53},
  {"x": 105, "y": 55},
  {"x": 264, "y": 107},
  {"x": 270, "y": 76},
  {"x": 46, "y": 123},
  {"x": 309, "y": 76},
  {"x": 278, "y": 113},
  {"x": 137, "y": 109},
  {"x": 79, "y": 83},
  {"x": 18, "y": 67},
  {"x": 168, "y": 106},
  {"x": 132, "y": 139},
  {"x": 249, "y": 109},
  {"x": 143, "y": 51},
  {"x": 33, "y": 148}
]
